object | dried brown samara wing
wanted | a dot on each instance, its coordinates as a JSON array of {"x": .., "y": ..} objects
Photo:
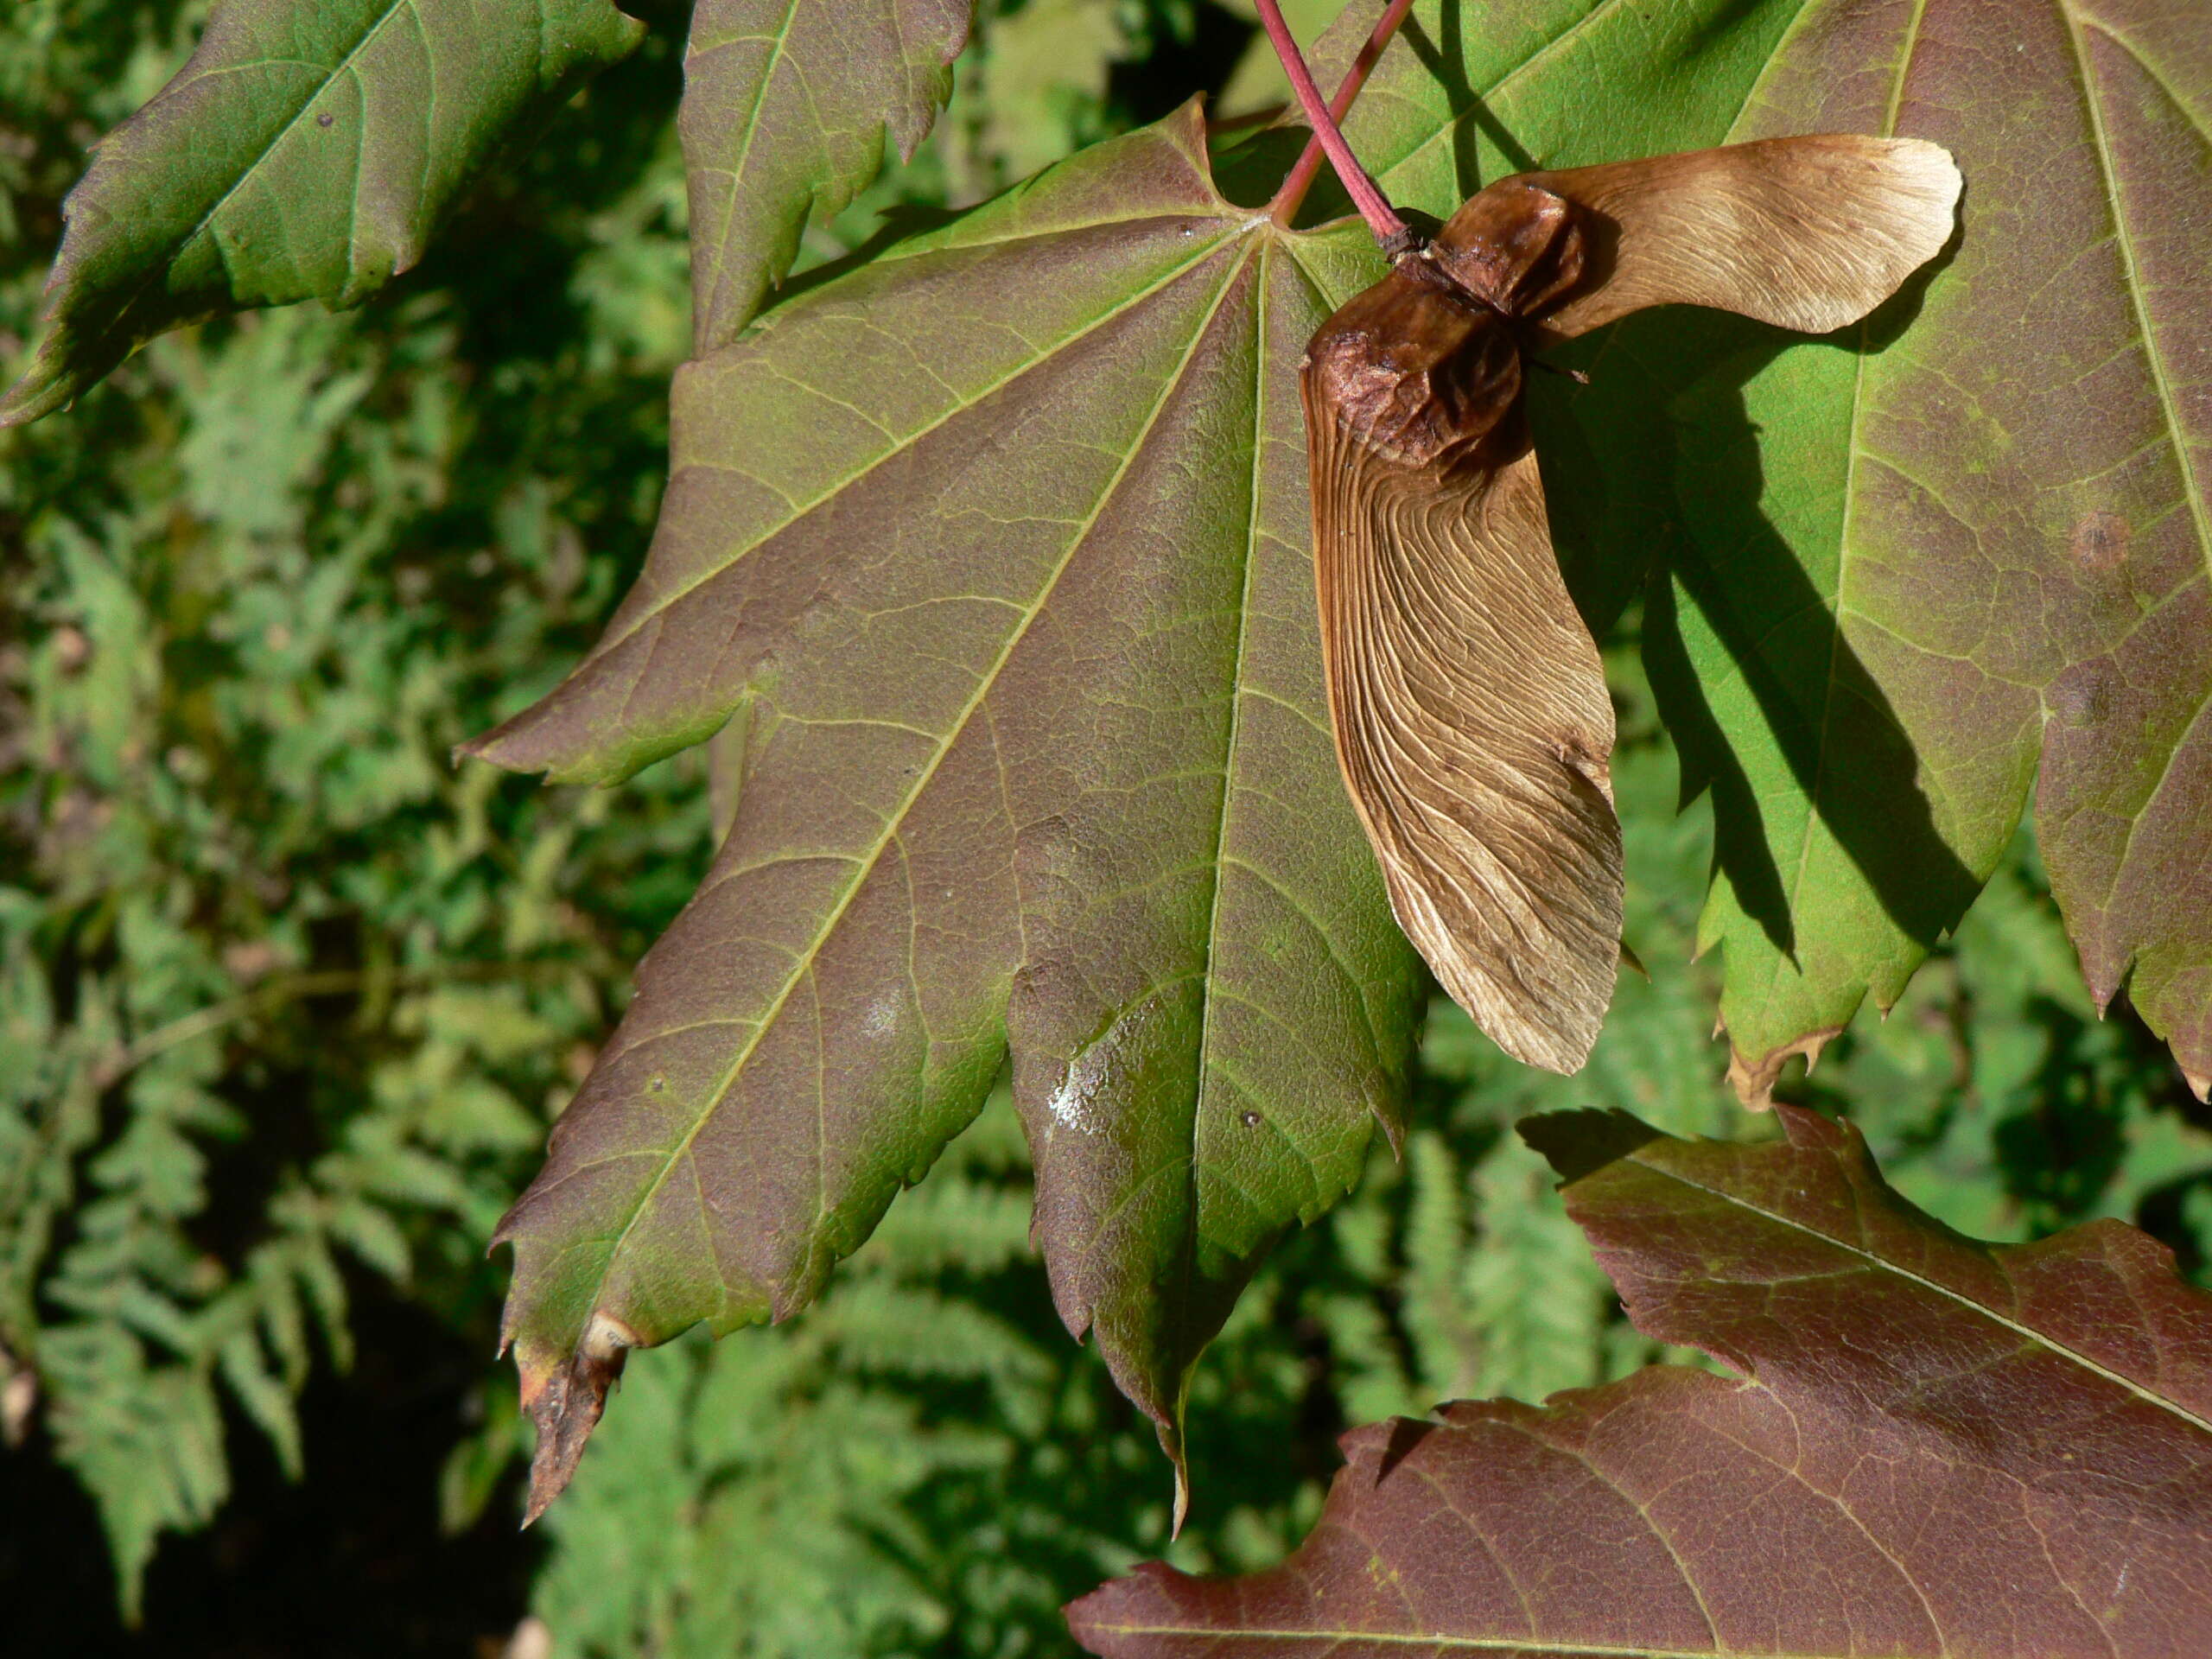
[
  {"x": 1471, "y": 718},
  {"x": 1471, "y": 713}
]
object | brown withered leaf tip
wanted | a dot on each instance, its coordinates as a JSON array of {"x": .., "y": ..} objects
[
  {"x": 1754, "y": 1080},
  {"x": 1472, "y": 719},
  {"x": 565, "y": 1399}
]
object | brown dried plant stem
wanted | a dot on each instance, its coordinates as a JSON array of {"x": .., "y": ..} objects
[{"x": 1328, "y": 136}]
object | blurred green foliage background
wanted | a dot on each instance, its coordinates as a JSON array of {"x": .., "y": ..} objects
[{"x": 287, "y": 1003}]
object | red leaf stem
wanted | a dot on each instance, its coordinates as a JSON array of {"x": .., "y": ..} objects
[
  {"x": 1381, "y": 219},
  {"x": 1301, "y": 178}
]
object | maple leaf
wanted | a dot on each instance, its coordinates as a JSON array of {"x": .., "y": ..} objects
[
  {"x": 303, "y": 152},
  {"x": 1934, "y": 1447},
  {"x": 1002, "y": 539}
]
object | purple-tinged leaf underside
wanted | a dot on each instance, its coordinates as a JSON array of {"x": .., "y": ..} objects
[
  {"x": 786, "y": 107},
  {"x": 1000, "y": 542},
  {"x": 1935, "y": 1447}
]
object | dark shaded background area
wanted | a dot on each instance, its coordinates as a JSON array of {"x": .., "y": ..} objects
[{"x": 349, "y": 1561}]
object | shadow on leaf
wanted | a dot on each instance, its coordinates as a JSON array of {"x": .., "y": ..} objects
[{"x": 1658, "y": 482}]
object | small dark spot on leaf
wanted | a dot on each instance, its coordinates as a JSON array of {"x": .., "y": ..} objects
[
  {"x": 325, "y": 119},
  {"x": 1251, "y": 1119},
  {"x": 2100, "y": 541},
  {"x": 656, "y": 1084},
  {"x": 2082, "y": 697}
]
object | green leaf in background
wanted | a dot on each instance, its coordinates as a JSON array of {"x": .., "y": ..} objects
[
  {"x": 285, "y": 1001},
  {"x": 1014, "y": 581},
  {"x": 1907, "y": 560},
  {"x": 1932, "y": 1447},
  {"x": 1046, "y": 70},
  {"x": 785, "y": 107},
  {"x": 1258, "y": 81},
  {"x": 302, "y": 153}
]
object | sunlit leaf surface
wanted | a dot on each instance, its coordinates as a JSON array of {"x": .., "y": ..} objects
[{"x": 303, "y": 152}]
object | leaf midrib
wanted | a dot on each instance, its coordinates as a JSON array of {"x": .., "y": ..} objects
[
  {"x": 864, "y": 867},
  {"x": 1831, "y": 680},
  {"x": 1207, "y": 1068},
  {"x": 344, "y": 66},
  {"x": 1238, "y": 691},
  {"x": 1192, "y": 1229},
  {"x": 712, "y": 328},
  {"x": 1221, "y": 858}
]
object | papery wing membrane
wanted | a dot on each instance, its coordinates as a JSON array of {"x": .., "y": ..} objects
[
  {"x": 1473, "y": 726},
  {"x": 1809, "y": 233}
]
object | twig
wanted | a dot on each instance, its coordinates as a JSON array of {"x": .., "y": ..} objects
[
  {"x": 1381, "y": 219},
  {"x": 1292, "y": 196}
]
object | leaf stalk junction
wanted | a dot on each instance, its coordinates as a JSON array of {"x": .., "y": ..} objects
[{"x": 1394, "y": 235}]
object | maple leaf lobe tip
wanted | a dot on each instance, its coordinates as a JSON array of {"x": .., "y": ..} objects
[{"x": 565, "y": 1397}]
